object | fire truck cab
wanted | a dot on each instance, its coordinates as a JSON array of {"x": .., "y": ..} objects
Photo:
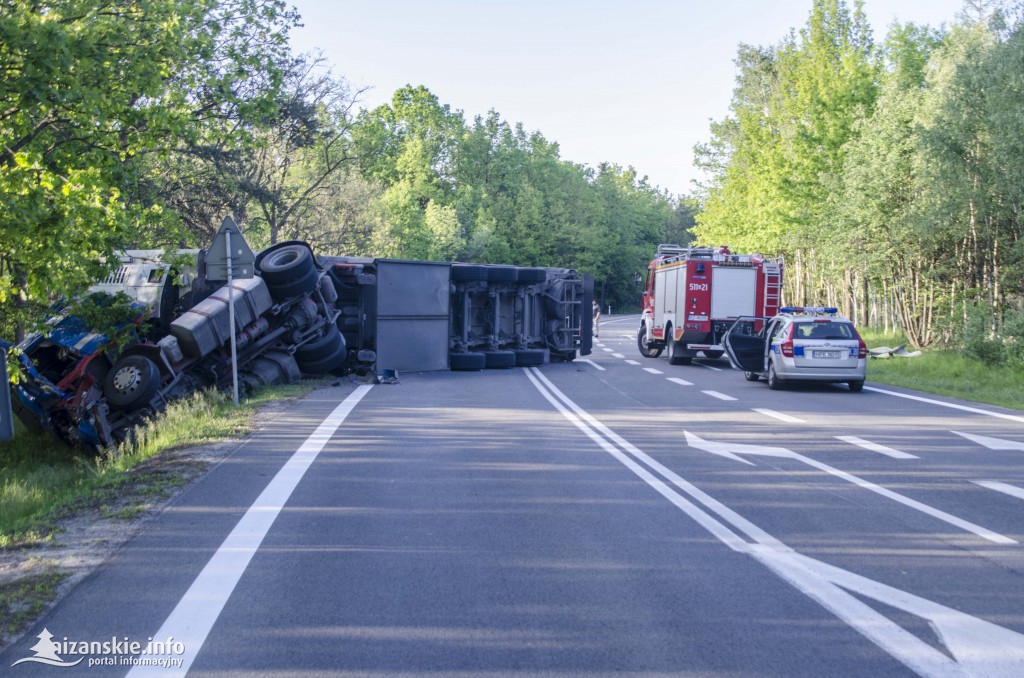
[{"x": 692, "y": 295}]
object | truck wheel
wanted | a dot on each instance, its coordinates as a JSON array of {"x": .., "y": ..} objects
[
  {"x": 531, "y": 357},
  {"x": 502, "y": 274},
  {"x": 470, "y": 360},
  {"x": 774, "y": 383},
  {"x": 287, "y": 264},
  {"x": 469, "y": 273},
  {"x": 499, "y": 359},
  {"x": 324, "y": 354},
  {"x": 131, "y": 382},
  {"x": 714, "y": 355},
  {"x": 532, "y": 276},
  {"x": 279, "y": 291},
  {"x": 672, "y": 347},
  {"x": 646, "y": 350}
]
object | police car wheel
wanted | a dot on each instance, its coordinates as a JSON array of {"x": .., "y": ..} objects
[
  {"x": 774, "y": 383},
  {"x": 751, "y": 376},
  {"x": 856, "y": 386}
]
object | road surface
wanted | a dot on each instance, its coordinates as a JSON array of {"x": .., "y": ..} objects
[{"x": 611, "y": 516}]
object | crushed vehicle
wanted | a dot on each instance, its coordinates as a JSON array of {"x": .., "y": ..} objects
[
  {"x": 693, "y": 295},
  {"x": 300, "y": 314}
]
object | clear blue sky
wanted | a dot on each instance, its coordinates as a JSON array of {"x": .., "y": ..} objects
[{"x": 628, "y": 82}]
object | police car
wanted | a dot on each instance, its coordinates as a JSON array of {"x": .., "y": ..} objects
[{"x": 801, "y": 343}]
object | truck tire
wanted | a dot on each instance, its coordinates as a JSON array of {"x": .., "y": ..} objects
[
  {"x": 131, "y": 382},
  {"x": 672, "y": 348},
  {"x": 714, "y": 355},
  {"x": 646, "y": 350},
  {"x": 531, "y": 357},
  {"x": 467, "y": 361},
  {"x": 289, "y": 271},
  {"x": 499, "y": 360},
  {"x": 322, "y": 355},
  {"x": 502, "y": 274},
  {"x": 532, "y": 276},
  {"x": 287, "y": 264},
  {"x": 469, "y": 273}
]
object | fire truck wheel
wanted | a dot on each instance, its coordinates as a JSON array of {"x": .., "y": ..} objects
[
  {"x": 646, "y": 350},
  {"x": 464, "y": 362},
  {"x": 673, "y": 348},
  {"x": 751, "y": 376},
  {"x": 856, "y": 386},
  {"x": 714, "y": 355},
  {"x": 774, "y": 383},
  {"x": 500, "y": 359},
  {"x": 131, "y": 382},
  {"x": 530, "y": 357},
  {"x": 279, "y": 291}
]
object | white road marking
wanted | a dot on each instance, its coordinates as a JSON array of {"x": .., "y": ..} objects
[
  {"x": 875, "y": 447},
  {"x": 716, "y": 394},
  {"x": 779, "y": 415},
  {"x": 716, "y": 369},
  {"x": 191, "y": 620},
  {"x": 1005, "y": 488},
  {"x": 652, "y": 370},
  {"x": 975, "y": 646},
  {"x": 632, "y": 362},
  {"x": 992, "y": 443},
  {"x": 730, "y": 450},
  {"x": 954, "y": 406},
  {"x": 618, "y": 355},
  {"x": 681, "y": 382},
  {"x": 608, "y": 350},
  {"x": 592, "y": 364}
]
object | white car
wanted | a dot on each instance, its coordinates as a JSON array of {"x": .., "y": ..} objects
[{"x": 801, "y": 343}]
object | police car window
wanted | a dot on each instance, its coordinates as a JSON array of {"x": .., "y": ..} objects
[
  {"x": 830, "y": 330},
  {"x": 779, "y": 331}
]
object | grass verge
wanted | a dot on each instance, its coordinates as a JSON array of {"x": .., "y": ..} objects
[
  {"x": 947, "y": 373},
  {"x": 42, "y": 480}
]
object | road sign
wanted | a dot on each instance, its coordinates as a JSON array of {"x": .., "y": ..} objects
[
  {"x": 6, "y": 415},
  {"x": 243, "y": 261}
]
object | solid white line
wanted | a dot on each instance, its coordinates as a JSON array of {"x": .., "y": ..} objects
[
  {"x": 681, "y": 382},
  {"x": 1005, "y": 488},
  {"x": 954, "y": 406},
  {"x": 977, "y": 647},
  {"x": 652, "y": 370},
  {"x": 632, "y": 362},
  {"x": 875, "y": 447},
  {"x": 198, "y": 609},
  {"x": 716, "y": 394},
  {"x": 779, "y": 415},
  {"x": 592, "y": 364}
]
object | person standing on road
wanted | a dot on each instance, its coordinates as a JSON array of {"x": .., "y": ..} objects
[{"x": 596, "y": 308}]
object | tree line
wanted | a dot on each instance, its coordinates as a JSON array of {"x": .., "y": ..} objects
[
  {"x": 889, "y": 173},
  {"x": 142, "y": 123}
]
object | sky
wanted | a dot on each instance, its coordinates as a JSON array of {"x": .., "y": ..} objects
[{"x": 629, "y": 82}]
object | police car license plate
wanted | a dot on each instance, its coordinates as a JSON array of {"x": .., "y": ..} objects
[{"x": 828, "y": 355}]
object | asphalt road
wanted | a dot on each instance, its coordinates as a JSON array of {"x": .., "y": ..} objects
[{"x": 611, "y": 516}]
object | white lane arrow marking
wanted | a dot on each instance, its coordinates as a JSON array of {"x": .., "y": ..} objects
[
  {"x": 979, "y": 648},
  {"x": 992, "y": 443},
  {"x": 731, "y": 450}
]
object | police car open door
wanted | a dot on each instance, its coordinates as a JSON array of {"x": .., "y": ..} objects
[{"x": 746, "y": 350}]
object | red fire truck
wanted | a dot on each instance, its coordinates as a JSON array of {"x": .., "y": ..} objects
[{"x": 693, "y": 294}]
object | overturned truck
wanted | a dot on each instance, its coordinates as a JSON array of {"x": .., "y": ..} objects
[{"x": 300, "y": 314}]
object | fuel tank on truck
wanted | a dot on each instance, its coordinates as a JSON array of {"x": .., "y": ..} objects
[{"x": 206, "y": 327}]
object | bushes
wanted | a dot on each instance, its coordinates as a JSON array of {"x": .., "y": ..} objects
[{"x": 1004, "y": 347}]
